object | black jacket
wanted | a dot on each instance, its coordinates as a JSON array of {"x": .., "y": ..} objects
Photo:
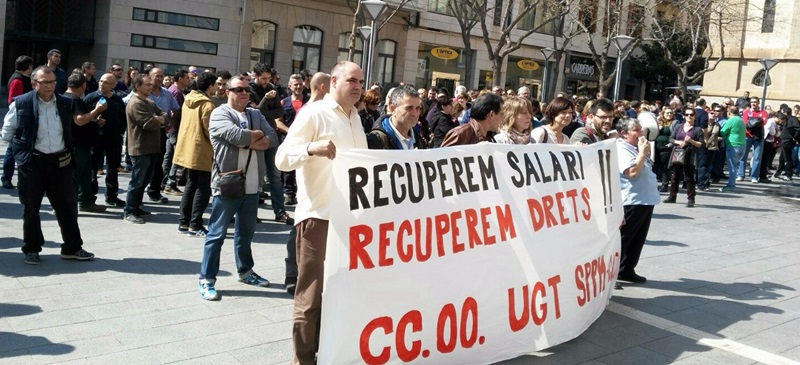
[
  {"x": 791, "y": 131},
  {"x": 270, "y": 108},
  {"x": 440, "y": 124}
]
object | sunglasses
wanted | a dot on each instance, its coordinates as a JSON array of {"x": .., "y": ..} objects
[
  {"x": 688, "y": 114},
  {"x": 116, "y": 69},
  {"x": 238, "y": 89},
  {"x": 717, "y": 111}
]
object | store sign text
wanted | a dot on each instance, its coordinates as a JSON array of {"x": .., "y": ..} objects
[
  {"x": 444, "y": 53},
  {"x": 528, "y": 65},
  {"x": 582, "y": 69}
]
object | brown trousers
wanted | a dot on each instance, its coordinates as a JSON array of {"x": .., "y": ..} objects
[{"x": 312, "y": 235}]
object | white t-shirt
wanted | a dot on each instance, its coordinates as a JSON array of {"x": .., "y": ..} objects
[{"x": 251, "y": 184}]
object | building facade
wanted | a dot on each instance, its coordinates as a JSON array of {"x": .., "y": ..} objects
[
  {"x": 421, "y": 45},
  {"x": 772, "y": 31}
]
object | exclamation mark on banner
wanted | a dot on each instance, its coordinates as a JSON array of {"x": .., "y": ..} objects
[
  {"x": 608, "y": 175},
  {"x": 603, "y": 179}
]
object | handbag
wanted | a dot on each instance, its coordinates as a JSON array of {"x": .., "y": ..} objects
[
  {"x": 678, "y": 156},
  {"x": 231, "y": 184}
]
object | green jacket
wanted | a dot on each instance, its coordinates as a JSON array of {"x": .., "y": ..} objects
[{"x": 733, "y": 131}]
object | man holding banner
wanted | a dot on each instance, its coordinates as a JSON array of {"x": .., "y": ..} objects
[{"x": 310, "y": 146}]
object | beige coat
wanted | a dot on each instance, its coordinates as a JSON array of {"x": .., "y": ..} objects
[{"x": 193, "y": 149}]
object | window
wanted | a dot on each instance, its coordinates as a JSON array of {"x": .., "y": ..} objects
[
  {"x": 587, "y": 14},
  {"x": 385, "y": 66},
  {"x": 306, "y": 48},
  {"x": 166, "y": 17},
  {"x": 498, "y": 12},
  {"x": 172, "y": 44},
  {"x": 168, "y": 68},
  {"x": 612, "y": 19},
  {"x": 344, "y": 48},
  {"x": 439, "y": 6},
  {"x": 465, "y": 8},
  {"x": 538, "y": 16},
  {"x": 262, "y": 43},
  {"x": 635, "y": 20},
  {"x": 768, "y": 23}
]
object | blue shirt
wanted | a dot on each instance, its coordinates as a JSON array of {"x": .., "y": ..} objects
[
  {"x": 642, "y": 190},
  {"x": 165, "y": 101}
]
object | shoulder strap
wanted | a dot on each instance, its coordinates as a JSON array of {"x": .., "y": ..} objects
[
  {"x": 591, "y": 134},
  {"x": 545, "y": 138}
]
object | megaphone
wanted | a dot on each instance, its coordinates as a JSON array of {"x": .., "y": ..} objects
[{"x": 649, "y": 124}]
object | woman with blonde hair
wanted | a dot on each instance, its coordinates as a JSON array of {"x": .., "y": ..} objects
[
  {"x": 557, "y": 115},
  {"x": 516, "y": 126}
]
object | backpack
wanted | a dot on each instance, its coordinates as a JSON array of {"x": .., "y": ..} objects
[{"x": 755, "y": 126}]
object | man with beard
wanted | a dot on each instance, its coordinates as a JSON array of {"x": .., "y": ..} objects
[{"x": 598, "y": 123}]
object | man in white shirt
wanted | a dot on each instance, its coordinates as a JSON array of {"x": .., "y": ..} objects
[
  {"x": 38, "y": 125},
  {"x": 336, "y": 118}
]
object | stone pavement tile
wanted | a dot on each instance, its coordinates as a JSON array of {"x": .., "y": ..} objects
[
  {"x": 216, "y": 359},
  {"x": 736, "y": 311},
  {"x": 715, "y": 357},
  {"x": 533, "y": 359},
  {"x": 793, "y": 353},
  {"x": 778, "y": 339},
  {"x": 576, "y": 351},
  {"x": 233, "y": 322},
  {"x": 634, "y": 356},
  {"x": 640, "y": 303},
  {"x": 80, "y": 349},
  {"x": 243, "y": 298},
  {"x": 11, "y": 341},
  {"x": 179, "y": 351},
  {"x": 271, "y": 332},
  {"x": 677, "y": 347},
  {"x": 147, "y": 337},
  {"x": 627, "y": 337},
  {"x": 55, "y": 318},
  {"x": 279, "y": 313},
  {"x": 279, "y": 352},
  {"x": 75, "y": 362},
  {"x": 15, "y": 357}
]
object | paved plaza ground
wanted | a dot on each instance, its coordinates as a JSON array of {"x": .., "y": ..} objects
[{"x": 722, "y": 289}]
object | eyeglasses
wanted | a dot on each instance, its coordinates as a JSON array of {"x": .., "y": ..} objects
[
  {"x": 116, "y": 69},
  {"x": 603, "y": 117},
  {"x": 238, "y": 89},
  {"x": 717, "y": 111},
  {"x": 50, "y": 82},
  {"x": 688, "y": 114},
  {"x": 670, "y": 113}
]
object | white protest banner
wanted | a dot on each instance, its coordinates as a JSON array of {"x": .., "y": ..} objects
[{"x": 468, "y": 255}]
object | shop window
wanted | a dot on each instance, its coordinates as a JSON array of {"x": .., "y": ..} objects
[
  {"x": 344, "y": 48},
  {"x": 262, "y": 43},
  {"x": 386, "y": 59},
  {"x": 768, "y": 23},
  {"x": 306, "y": 48}
]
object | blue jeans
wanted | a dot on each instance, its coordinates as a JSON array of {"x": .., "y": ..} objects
[
  {"x": 796, "y": 159},
  {"x": 755, "y": 163},
  {"x": 222, "y": 210},
  {"x": 734, "y": 156},
  {"x": 275, "y": 182},
  {"x": 8, "y": 165},
  {"x": 141, "y": 175}
]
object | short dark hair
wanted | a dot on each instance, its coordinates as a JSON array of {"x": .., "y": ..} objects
[
  {"x": 76, "y": 80},
  {"x": 700, "y": 102},
  {"x": 41, "y": 69},
  {"x": 180, "y": 74},
  {"x": 51, "y": 52},
  {"x": 87, "y": 65},
  {"x": 733, "y": 110},
  {"x": 602, "y": 104},
  {"x": 139, "y": 79},
  {"x": 556, "y": 106},
  {"x": 260, "y": 68},
  {"x": 224, "y": 74},
  {"x": 23, "y": 63},
  {"x": 204, "y": 80},
  {"x": 484, "y": 104},
  {"x": 444, "y": 100},
  {"x": 781, "y": 116}
]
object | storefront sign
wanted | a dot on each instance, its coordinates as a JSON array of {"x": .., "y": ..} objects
[
  {"x": 528, "y": 65},
  {"x": 468, "y": 255},
  {"x": 582, "y": 69},
  {"x": 444, "y": 53}
]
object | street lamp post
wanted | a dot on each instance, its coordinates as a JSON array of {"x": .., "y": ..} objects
[
  {"x": 767, "y": 64},
  {"x": 546, "y": 53},
  {"x": 622, "y": 42},
  {"x": 374, "y": 9},
  {"x": 365, "y": 32}
]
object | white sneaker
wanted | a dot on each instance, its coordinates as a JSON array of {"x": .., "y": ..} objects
[
  {"x": 739, "y": 179},
  {"x": 754, "y": 181}
]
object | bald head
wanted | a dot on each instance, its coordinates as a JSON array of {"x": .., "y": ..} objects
[{"x": 320, "y": 78}]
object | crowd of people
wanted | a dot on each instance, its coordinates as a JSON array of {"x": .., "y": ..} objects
[{"x": 236, "y": 141}]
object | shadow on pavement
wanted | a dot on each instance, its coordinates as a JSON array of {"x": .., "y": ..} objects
[
  {"x": 670, "y": 216},
  {"x": 257, "y": 293},
  {"x": 52, "y": 265},
  {"x": 14, "y": 344},
  {"x": 733, "y": 207},
  {"x": 666, "y": 243}
]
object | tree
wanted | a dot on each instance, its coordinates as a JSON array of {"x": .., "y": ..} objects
[
  {"x": 692, "y": 34},
  {"x": 508, "y": 36},
  {"x": 601, "y": 46},
  {"x": 467, "y": 19},
  {"x": 654, "y": 65}
]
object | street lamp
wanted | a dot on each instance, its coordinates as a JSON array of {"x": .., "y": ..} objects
[
  {"x": 546, "y": 53},
  {"x": 365, "y": 32},
  {"x": 374, "y": 9},
  {"x": 767, "y": 64},
  {"x": 622, "y": 42}
]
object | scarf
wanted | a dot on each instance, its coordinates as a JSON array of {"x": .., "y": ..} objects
[{"x": 519, "y": 138}]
